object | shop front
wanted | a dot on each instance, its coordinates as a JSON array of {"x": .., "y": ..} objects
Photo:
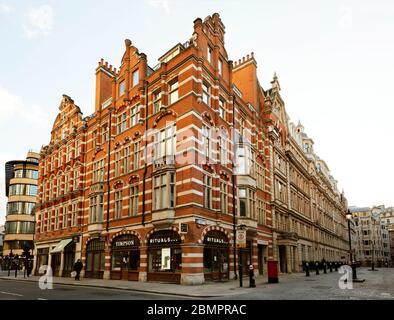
[
  {"x": 68, "y": 259},
  {"x": 165, "y": 256},
  {"x": 42, "y": 258},
  {"x": 63, "y": 255},
  {"x": 125, "y": 261},
  {"x": 216, "y": 256},
  {"x": 95, "y": 259}
]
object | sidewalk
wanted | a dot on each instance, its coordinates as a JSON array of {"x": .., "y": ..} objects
[{"x": 207, "y": 290}]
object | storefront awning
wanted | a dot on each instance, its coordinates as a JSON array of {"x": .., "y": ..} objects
[{"x": 61, "y": 245}]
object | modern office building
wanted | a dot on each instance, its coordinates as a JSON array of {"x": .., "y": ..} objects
[
  {"x": 174, "y": 162},
  {"x": 1, "y": 239},
  {"x": 21, "y": 189}
]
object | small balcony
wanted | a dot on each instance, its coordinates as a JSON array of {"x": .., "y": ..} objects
[
  {"x": 95, "y": 229},
  {"x": 97, "y": 187},
  {"x": 165, "y": 162},
  {"x": 248, "y": 222}
]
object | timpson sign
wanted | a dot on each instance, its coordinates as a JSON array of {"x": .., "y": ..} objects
[{"x": 125, "y": 243}]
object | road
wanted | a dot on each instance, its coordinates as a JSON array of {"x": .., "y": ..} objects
[
  {"x": 378, "y": 285},
  {"x": 25, "y": 290}
]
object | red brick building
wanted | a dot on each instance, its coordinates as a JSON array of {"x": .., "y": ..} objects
[
  {"x": 167, "y": 134},
  {"x": 173, "y": 160}
]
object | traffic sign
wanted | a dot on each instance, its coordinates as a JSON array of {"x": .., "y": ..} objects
[{"x": 241, "y": 238}]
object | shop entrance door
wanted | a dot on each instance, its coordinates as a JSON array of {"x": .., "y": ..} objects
[
  {"x": 283, "y": 259},
  {"x": 55, "y": 264},
  {"x": 125, "y": 266},
  {"x": 219, "y": 264}
]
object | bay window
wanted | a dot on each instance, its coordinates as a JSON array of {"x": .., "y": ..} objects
[
  {"x": 96, "y": 209},
  {"x": 164, "y": 191},
  {"x": 247, "y": 202},
  {"x": 164, "y": 142}
]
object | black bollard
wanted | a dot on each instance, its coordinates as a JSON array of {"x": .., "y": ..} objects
[
  {"x": 307, "y": 269},
  {"x": 325, "y": 267},
  {"x": 330, "y": 267},
  {"x": 336, "y": 266},
  {"x": 317, "y": 268},
  {"x": 252, "y": 283}
]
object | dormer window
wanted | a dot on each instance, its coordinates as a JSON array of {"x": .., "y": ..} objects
[
  {"x": 122, "y": 88},
  {"x": 220, "y": 67},
  {"x": 209, "y": 56},
  {"x": 135, "y": 78}
]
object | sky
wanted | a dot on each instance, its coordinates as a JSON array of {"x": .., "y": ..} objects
[{"x": 334, "y": 61}]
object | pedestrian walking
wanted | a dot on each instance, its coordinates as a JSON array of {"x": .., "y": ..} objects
[
  {"x": 29, "y": 267},
  {"x": 77, "y": 268},
  {"x": 16, "y": 264}
]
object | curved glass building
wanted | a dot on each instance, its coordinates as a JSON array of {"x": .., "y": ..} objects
[{"x": 21, "y": 189}]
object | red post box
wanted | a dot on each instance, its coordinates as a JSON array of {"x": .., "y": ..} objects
[{"x": 273, "y": 271}]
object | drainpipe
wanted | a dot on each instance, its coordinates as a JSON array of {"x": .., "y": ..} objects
[
  {"x": 111, "y": 108},
  {"x": 234, "y": 211},
  {"x": 109, "y": 163},
  {"x": 145, "y": 153}
]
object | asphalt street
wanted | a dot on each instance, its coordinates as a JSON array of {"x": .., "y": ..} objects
[
  {"x": 378, "y": 285},
  {"x": 24, "y": 290}
]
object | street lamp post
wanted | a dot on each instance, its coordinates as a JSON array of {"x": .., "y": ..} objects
[{"x": 352, "y": 263}]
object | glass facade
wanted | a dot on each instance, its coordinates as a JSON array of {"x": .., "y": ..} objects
[
  {"x": 23, "y": 189},
  {"x": 16, "y": 227},
  {"x": 20, "y": 207}
]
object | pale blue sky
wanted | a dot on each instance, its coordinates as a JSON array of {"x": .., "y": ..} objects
[{"x": 334, "y": 60}]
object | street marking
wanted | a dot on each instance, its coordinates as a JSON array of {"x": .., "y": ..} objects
[
  {"x": 41, "y": 299},
  {"x": 12, "y": 294}
]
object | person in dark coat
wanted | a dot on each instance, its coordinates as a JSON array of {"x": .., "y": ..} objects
[
  {"x": 77, "y": 268},
  {"x": 29, "y": 267}
]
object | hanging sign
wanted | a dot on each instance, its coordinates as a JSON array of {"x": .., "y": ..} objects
[{"x": 241, "y": 238}]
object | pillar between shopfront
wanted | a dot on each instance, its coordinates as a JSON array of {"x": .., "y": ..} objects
[
  {"x": 61, "y": 264},
  {"x": 192, "y": 264},
  {"x": 107, "y": 265},
  {"x": 83, "y": 260},
  {"x": 143, "y": 274}
]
